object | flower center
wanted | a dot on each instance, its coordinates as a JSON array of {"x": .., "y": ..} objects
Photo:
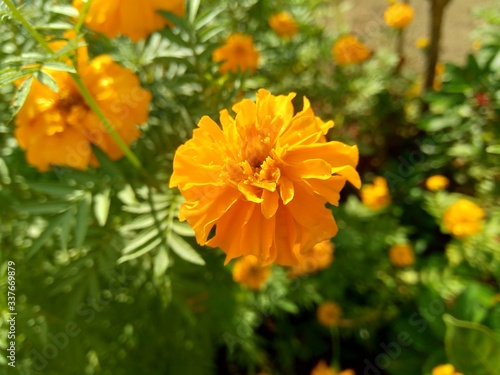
[{"x": 69, "y": 98}]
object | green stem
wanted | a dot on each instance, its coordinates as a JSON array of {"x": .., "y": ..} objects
[
  {"x": 334, "y": 332},
  {"x": 109, "y": 128},
  {"x": 83, "y": 15},
  {"x": 35, "y": 34}
]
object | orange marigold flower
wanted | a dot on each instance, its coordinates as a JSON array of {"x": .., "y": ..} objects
[
  {"x": 350, "y": 50},
  {"x": 318, "y": 258},
  {"x": 401, "y": 255},
  {"x": 283, "y": 24},
  {"x": 464, "y": 218},
  {"x": 437, "y": 182},
  {"x": 438, "y": 78},
  {"x": 376, "y": 196},
  {"x": 237, "y": 54},
  {"x": 59, "y": 128},
  {"x": 132, "y": 18},
  {"x": 446, "y": 369},
  {"x": 263, "y": 179},
  {"x": 329, "y": 314},
  {"x": 399, "y": 15},
  {"x": 248, "y": 271}
]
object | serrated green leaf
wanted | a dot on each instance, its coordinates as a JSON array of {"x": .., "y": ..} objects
[
  {"x": 46, "y": 234},
  {"x": 101, "y": 206},
  {"x": 184, "y": 250},
  {"x": 9, "y": 77},
  {"x": 45, "y": 208},
  {"x": 192, "y": 9},
  {"x": 21, "y": 95},
  {"x": 146, "y": 249},
  {"x": 59, "y": 66},
  {"x": 55, "y": 26},
  {"x": 141, "y": 239},
  {"x": 47, "y": 80},
  {"x": 52, "y": 188},
  {"x": 161, "y": 262},
  {"x": 472, "y": 348},
  {"x": 143, "y": 221},
  {"x": 66, "y": 10},
  {"x": 82, "y": 220},
  {"x": 208, "y": 18},
  {"x": 182, "y": 229},
  {"x": 66, "y": 227},
  {"x": 495, "y": 149}
]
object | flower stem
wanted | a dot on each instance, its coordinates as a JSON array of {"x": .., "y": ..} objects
[
  {"x": 83, "y": 15},
  {"x": 35, "y": 34},
  {"x": 334, "y": 332},
  {"x": 109, "y": 128}
]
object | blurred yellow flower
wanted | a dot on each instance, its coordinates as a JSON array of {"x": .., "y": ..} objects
[
  {"x": 399, "y": 15},
  {"x": 476, "y": 45},
  {"x": 132, "y": 18},
  {"x": 329, "y": 314},
  {"x": 248, "y": 271},
  {"x": 348, "y": 49},
  {"x": 263, "y": 179},
  {"x": 422, "y": 42},
  {"x": 401, "y": 255},
  {"x": 283, "y": 24},
  {"x": 238, "y": 53},
  {"x": 318, "y": 258},
  {"x": 376, "y": 196},
  {"x": 464, "y": 218},
  {"x": 59, "y": 128},
  {"x": 445, "y": 370},
  {"x": 437, "y": 182}
]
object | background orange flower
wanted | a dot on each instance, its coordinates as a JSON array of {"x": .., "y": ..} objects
[
  {"x": 129, "y": 17},
  {"x": 238, "y": 53}
]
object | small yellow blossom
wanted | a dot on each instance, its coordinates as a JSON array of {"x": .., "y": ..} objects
[
  {"x": 446, "y": 369},
  {"x": 376, "y": 196},
  {"x": 249, "y": 272},
  {"x": 464, "y": 218},
  {"x": 437, "y": 182},
  {"x": 401, "y": 255},
  {"x": 238, "y": 53},
  {"x": 476, "y": 45},
  {"x": 329, "y": 314},
  {"x": 348, "y": 49},
  {"x": 399, "y": 15},
  {"x": 422, "y": 42},
  {"x": 283, "y": 24}
]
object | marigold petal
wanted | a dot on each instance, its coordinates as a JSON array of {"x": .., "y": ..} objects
[
  {"x": 286, "y": 189},
  {"x": 270, "y": 203},
  {"x": 202, "y": 215},
  {"x": 330, "y": 189}
]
